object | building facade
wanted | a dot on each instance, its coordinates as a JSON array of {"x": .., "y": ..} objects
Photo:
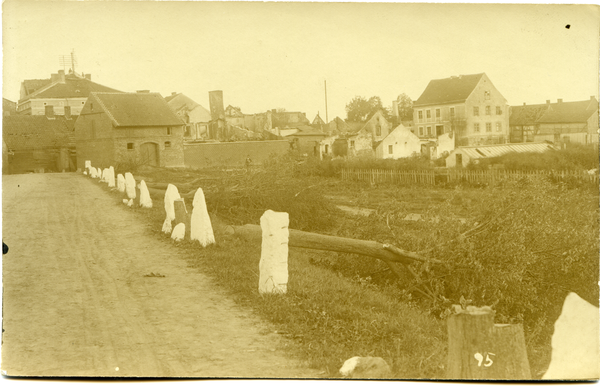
[
  {"x": 135, "y": 128},
  {"x": 469, "y": 106},
  {"x": 195, "y": 116}
]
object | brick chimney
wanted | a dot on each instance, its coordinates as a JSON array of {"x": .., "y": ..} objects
[
  {"x": 173, "y": 93},
  {"x": 547, "y": 102},
  {"x": 88, "y": 76},
  {"x": 524, "y": 104},
  {"x": 61, "y": 76},
  {"x": 559, "y": 100},
  {"x": 49, "y": 111},
  {"x": 215, "y": 101}
]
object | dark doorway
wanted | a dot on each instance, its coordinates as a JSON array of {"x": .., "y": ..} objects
[{"x": 149, "y": 154}]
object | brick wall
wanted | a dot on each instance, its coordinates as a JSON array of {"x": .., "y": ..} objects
[{"x": 232, "y": 154}]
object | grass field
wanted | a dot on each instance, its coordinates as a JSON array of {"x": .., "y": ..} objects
[{"x": 338, "y": 305}]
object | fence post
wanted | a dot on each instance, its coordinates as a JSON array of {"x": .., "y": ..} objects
[{"x": 478, "y": 349}]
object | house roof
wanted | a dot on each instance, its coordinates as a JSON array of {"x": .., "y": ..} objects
[
  {"x": 32, "y": 85},
  {"x": 232, "y": 111},
  {"x": 180, "y": 101},
  {"x": 526, "y": 114},
  {"x": 483, "y": 151},
  {"x": 137, "y": 109},
  {"x": 25, "y": 132},
  {"x": 447, "y": 90},
  {"x": 318, "y": 120},
  {"x": 562, "y": 112},
  {"x": 73, "y": 87},
  {"x": 306, "y": 130}
]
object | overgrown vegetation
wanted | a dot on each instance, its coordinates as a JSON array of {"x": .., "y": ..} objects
[{"x": 521, "y": 248}]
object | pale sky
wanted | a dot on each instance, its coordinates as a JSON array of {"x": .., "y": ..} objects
[{"x": 277, "y": 55}]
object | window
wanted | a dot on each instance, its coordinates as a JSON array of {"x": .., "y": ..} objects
[
  {"x": 378, "y": 129},
  {"x": 428, "y": 113},
  {"x": 129, "y": 146},
  {"x": 91, "y": 106},
  {"x": 420, "y": 113},
  {"x": 488, "y": 126},
  {"x": 498, "y": 126},
  {"x": 352, "y": 143},
  {"x": 476, "y": 127},
  {"x": 438, "y": 113},
  {"x": 486, "y": 95},
  {"x": 475, "y": 110},
  {"x": 498, "y": 110},
  {"x": 168, "y": 132},
  {"x": 429, "y": 130},
  {"x": 451, "y": 112},
  {"x": 326, "y": 148},
  {"x": 390, "y": 149},
  {"x": 420, "y": 130},
  {"x": 488, "y": 111},
  {"x": 168, "y": 143}
]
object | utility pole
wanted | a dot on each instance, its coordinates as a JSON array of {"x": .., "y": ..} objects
[
  {"x": 326, "y": 115},
  {"x": 73, "y": 60}
]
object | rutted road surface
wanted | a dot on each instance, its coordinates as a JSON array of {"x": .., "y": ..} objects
[{"x": 78, "y": 301}]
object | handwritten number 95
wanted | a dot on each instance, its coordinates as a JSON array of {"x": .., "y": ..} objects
[{"x": 488, "y": 362}]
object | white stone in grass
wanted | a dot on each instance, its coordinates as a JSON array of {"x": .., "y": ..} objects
[
  {"x": 88, "y": 164},
  {"x": 130, "y": 203},
  {"x": 171, "y": 194},
  {"x": 130, "y": 185},
  {"x": 85, "y": 172},
  {"x": 178, "y": 232},
  {"x": 273, "y": 264},
  {"x": 105, "y": 173},
  {"x": 95, "y": 173},
  {"x": 111, "y": 177},
  {"x": 145, "y": 200},
  {"x": 200, "y": 225},
  {"x": 125, "y": 201},
  {"x": 575, "y": 342},
  {"x": 120, "y": 183},
  {"x": 365, "y": 368}
]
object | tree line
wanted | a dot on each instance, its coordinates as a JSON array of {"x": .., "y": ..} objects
[{"x": 361, "y": 109}]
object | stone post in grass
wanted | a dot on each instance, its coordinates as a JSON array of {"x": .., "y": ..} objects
[
  {"x": 480, "y": 349},
  {"x": 171, "y": 195},
  {"x": 274, "y": 252},
  {"x": 201, "y": 226},
  {"x": 181, "y": 219},
  {"x": 145, "y": 200},
  {"x": 120, "y": 183},
  {"x": 130, "y": 188},
  {"x": 111, "y": 177},
  {"x": 88, "y": 166}
]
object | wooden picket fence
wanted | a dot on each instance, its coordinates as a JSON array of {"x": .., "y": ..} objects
[{"x": 433, "y": 177}]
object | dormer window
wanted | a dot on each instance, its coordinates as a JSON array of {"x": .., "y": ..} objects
[
  {"x": 91, "y": 106},
  {"x": 168, "y": 131}
]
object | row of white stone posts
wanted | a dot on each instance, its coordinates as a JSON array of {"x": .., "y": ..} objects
[{"x": 273, "y": 264}]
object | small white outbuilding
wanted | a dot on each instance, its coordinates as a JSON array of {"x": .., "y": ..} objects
[{"x": 401, "y": 142}]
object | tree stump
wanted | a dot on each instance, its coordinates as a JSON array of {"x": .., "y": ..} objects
[{"x": 480, "y": 349}]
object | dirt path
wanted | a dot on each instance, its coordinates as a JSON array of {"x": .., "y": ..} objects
[{"x": 78, "y": 301}]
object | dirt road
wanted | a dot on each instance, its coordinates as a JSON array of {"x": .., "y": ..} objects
[{"x": 79, "y": 298}]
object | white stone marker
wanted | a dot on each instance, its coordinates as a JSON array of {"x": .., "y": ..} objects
[
  {"x": 145, "y": 200},
  {"x": 88, "y": 166},
  {"x": 575, "y": 342},
  {"x": 104, "y": 175},
  {"x": 178, "y": 232},
  {"x": 130, "y": 202},
  {"x": 111, "y": 177},
  {"x": 170, "y": 196},
  {"x": 120, "y": 183},
  {"x": 200, "y": 225},
  {"x": 93, "y": 173},
  {"x": 274, "y": 252},
  {"x": 130, "y": 185}
]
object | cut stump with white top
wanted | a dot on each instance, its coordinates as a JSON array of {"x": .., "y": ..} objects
[
  {"x": 274, "y": 252},
  {"x": 120, "y": 183},
  {"x": 111, "y": 177},
  {"x": 171, "y": 195},
  {"x": 145, "y": 200},
  {"x": 129, "y": 185},
  {"x": 201, "y": 226}
]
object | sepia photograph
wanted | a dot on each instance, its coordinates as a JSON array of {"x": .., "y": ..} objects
[{"x": 300, "y": 191}]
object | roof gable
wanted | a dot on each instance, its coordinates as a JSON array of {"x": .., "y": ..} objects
[
  {"x": 26, "y": 132},
  {"x": 136, "y": 109},
  {"x": 447, "y": 90}
]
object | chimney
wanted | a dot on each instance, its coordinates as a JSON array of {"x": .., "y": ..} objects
[
  {"x": 524, "y": 104},
  {"x": 173, "y": 93},
  {"x": 395, "y": 108},
  {"x": 547, "y": 102},
  {"x": 49, "y": 110},
  {"x": 559, "y": 100},
  {"x": 215, "y": 101},
  {"x": 88, "y": 76},
  {"x": 142, "y": 91},
  {"x": 67, "y": 112},
  {"x": 61, "y": 76},
  {"x": 53, "y": 78},
  {"x": 592, "y": 97}
]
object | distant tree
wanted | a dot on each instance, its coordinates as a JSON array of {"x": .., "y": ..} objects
[
  {"x": 361, "y": 109},
  {"x": 405, "y": 107}
]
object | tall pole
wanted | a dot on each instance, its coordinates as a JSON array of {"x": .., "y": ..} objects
[
  {"x": 73, "y": 60},
  {"x": 326, "y": 115}
]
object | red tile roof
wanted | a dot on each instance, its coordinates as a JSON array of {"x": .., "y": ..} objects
[
  {"x": 563, "y": 112},
  {"x": 447, "y": 90},
  {"x": 25, "y": 132},
  {"x": 137, "y": 109}
]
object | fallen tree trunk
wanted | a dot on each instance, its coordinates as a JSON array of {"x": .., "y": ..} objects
[{"x": 309, "y": 240}]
